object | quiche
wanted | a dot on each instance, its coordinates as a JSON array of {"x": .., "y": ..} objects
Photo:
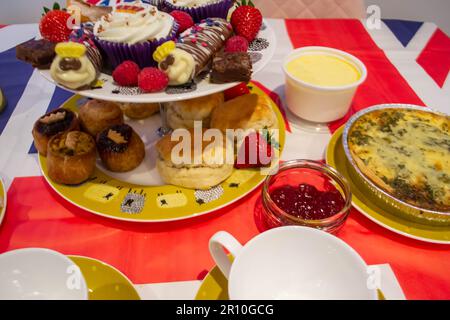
[{"x": 405, "y": 152}]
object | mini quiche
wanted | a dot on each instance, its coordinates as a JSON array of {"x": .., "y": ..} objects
[{"x": 405, "y": 152}]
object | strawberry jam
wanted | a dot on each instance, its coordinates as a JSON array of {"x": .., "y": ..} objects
[{"x": 308, "y": 203}]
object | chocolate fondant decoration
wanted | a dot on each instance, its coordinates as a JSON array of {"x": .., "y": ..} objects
[{"x": 67, "y": 64}]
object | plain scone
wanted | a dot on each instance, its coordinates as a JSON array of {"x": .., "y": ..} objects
[
  {"x": 201, "y": 176},
  {"x": 250, "y": 111},
  {"x": 182, "y": 114}
]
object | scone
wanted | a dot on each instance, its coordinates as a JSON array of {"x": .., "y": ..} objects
[
  {"x": 211, "y": 169},
  {"x": 49, "y": 125},
  {"x": 120, "y": 148},
  {"x": 182, "y": 114},
  {"x": 138, "y": 111},
  {"x": 250, "y": 111},
  {"x": 71, "y": 157},
  {"x": 96, "y": 115}
]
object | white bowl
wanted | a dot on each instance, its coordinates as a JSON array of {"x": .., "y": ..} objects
[
  {"x": 321, "y": 103},
  {"x": 40, "y": 274},
  {"x": 292, "y": 263}
]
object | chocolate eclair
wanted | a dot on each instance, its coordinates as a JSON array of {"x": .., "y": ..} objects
[
  {"x": 71, "y": 157},
  {"x": 52, "y": 123},
  {"x": 75, "y": 66},
  {"x": 193, "y": 51},
  {"x": 120, "y": 148}
]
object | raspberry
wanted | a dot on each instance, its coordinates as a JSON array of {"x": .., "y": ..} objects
[
  {"x": 152, "y": 80},
  {"x": 183, "y": 19},
  {"x": 126, "y": 74},
  {"x": 236, "y": 44}
]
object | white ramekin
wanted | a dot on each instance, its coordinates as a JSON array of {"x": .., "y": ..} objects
[{"x": 320, "y": 103}]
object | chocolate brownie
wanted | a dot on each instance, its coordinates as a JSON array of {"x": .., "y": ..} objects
[
  {"x": 39, "y": 53},
  {"x": 231, "y": 67}
]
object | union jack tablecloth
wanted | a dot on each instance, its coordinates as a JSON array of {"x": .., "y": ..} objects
[{"x": 408, "y": 62}]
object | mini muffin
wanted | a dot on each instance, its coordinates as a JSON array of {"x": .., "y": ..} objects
[
  {"x": 120, "y": 148},
  {"x": 215, "y": 162},
  {"x": 49, "y": 125},
  {"x": 138, "y": 111},
  {"x": 250, "y": 111},
  {"x": 97, "y": 115},
  {"x": 182, "y": 114},
  {"x": 71, "y": 157}
]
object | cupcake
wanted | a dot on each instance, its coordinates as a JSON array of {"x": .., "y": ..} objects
[
  {"x": 133, "y": 32},
  {"x": 200, "y": 9},
  {"x": 120, "y": 148},
  {"x": 71, "y": 157}
]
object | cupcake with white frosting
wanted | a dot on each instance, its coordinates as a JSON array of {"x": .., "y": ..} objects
[
  {"x": 133, "y": 32},
  {"x": 200, "y": 9}
]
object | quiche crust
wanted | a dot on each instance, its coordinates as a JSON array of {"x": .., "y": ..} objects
[{"x": 406, "y": 153}]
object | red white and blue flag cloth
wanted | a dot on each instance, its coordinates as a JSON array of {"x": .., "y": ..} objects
[{"x": 408, "y": 62}]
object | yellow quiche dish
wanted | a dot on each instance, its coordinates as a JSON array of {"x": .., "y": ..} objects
[{"x": 405, "y": 152}]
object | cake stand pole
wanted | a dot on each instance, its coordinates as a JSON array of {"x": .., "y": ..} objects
[{"x": 164, "y": 129}]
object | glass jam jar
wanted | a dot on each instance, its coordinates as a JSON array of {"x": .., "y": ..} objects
[{"x": 296, "y": 174}]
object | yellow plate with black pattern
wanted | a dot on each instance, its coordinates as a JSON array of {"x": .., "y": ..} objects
[
  {"x": 107, "y": 195},
  {"x": 373, "y": 208},
  {"x": 104, "y": 282}
]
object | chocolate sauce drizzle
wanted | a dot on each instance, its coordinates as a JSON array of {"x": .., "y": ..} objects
[{"x": 203, "y": 40}]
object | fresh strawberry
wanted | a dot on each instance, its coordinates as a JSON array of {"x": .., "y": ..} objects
[
  {"x": 237, "y": 91},
  {"x": 183, "y": 19},
  {"x": 246, "y": 20},
  {"x": 255, "y": 152},
  {"x": 53, "y": 24}
]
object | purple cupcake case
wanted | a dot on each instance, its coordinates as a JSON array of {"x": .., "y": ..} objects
[
  {"x": 141, "y": 53},
  {"x": 214, "y": 10}
]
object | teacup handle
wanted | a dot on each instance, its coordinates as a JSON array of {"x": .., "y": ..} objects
[{"x": 217, "y": 243}]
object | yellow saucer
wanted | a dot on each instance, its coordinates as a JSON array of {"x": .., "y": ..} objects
[
  {"x": 3, "y": 199},
  {"x": 367, "y": 203},
  {"x": 105, "y": 282},
  {"x": 215, "y": 287}
]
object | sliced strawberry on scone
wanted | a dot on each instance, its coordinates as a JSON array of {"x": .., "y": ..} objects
[
  {"x": 254, "y": 152},
  {"x": 237, "y": 91}
]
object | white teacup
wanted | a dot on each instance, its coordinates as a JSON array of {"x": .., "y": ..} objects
[
  {"x": 40, "y": 274},
  {"x": 292, "y": 263}
]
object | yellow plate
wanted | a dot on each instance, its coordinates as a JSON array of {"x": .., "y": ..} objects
[
  {"x": 3, "y": 200},
  {"x": 368, "y": 204},
  {"x": 215, "y": 287},
  {"x": 113, "y": 198},
  {"x": 105, "y": 282}
]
